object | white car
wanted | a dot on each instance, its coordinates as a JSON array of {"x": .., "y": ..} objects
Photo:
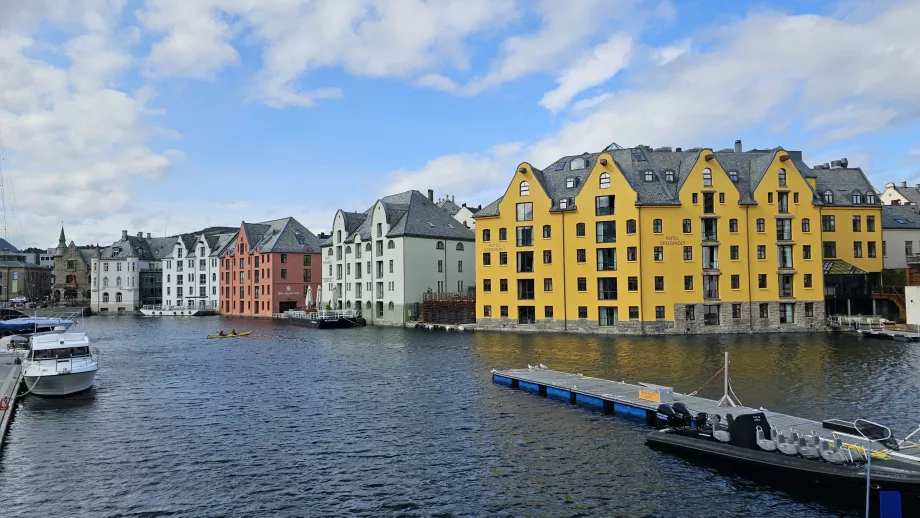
[{"x": 18, "y": 300}]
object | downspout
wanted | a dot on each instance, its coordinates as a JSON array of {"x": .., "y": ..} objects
[
  {"x": 565, "y": 305},
  {"x": 641, "y": 284},
  {"x": 747, "y": 237}
]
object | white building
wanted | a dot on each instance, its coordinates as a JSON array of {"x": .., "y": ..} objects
[
  {"x": 118, "y": 269},
  {"x": 900, "y": 194},
  {"x": 385, "y": 259},
  {"x": 461, "y": 213},
  {"x": 900, "y": 235},
  {"x": 191, "y": 271}
]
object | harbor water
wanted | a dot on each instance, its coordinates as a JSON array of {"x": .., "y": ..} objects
[{"x": 293, "y": 421}]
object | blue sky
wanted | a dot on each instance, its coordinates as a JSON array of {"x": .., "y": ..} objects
[{"x": 153, "y": 115}]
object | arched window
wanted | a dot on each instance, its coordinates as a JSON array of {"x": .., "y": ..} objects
[
  {"x": 368, "y": 305},
  {"x": 733, "y": 176},
  {"x": 338, "y": 236},
  {"x": 782, "y": 177},
  {"x": 391, "y": 244},
  {"x": 605, "y": 180},
  {"x": 105, "y": 297},
  {"x": 707, "y": 177},
  {"x": 390, "y": 306},
  {"x": 118, "y": 281},
  {"x": 459, "y": 247},
  {"x": 649, "y": 176},
  {"x": 580, "y": 229},
  {"x": 656, "y": 226},
  {"x": 439, "y": 245},
  {"x": 828, "y": 196},
  {"x": 486, "y": 234},
  {"x": 367, "y": 247},
  {"x": 329, "y": 253},
  {"x": 105, "y": 282},
  {"x": 547, "y": 231},
  {"x": 118, "y": 297},
  {"x": 525, "y": 189},
  {"x": 577, "y": 163},
  {"x": 348, "y": 305},
  {"x": 669, "y": 176},
  {"x": 168, "y": 278},
  {"x": 857, "y": 197},
  {"x": 806, "y": 225},
  {"x": 870, "y": 198},
  {"x": 348, "y": 249}
]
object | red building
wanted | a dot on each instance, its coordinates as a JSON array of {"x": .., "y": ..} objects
[{"x": 268, "y": 267}]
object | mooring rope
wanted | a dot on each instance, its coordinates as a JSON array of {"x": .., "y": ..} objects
[{"x": 707, "y": 383}]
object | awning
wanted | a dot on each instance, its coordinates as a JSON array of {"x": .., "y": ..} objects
[{"x": 840, "y": 267}]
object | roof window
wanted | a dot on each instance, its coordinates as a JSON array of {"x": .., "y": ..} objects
[
  {"x": 857, "y": 197},
  {"x": 649, "y": 176},
  {"x": 669, "y": 176},
  {"x": 639, "y": 155},
  {"x": 733, "y": 175},
  {"x": 560, "y": 166},
  {"x": 828, "y": 196},
  {"x": 577, "y": 163},
  {"x": 570, "y": 183}
]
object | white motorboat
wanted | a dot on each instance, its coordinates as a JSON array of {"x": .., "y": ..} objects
[
  {"x": 169, "y": 311},
  {"x": 59, "y": 364},
  {"x": 14, "y": 323}
]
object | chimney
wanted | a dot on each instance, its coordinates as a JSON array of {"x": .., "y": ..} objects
[
  {"x": 464, "y": 203},
  {"x": 835, "y": 164},
  {"x": 124, "y": 235},
  {"x": 431, "y": 195},
  {"x": 677, "y": 149},
  {"x": 904, "y": 184},
  {"x": 453, "y": 198},
  {"x": 148, "y": 235},
  {"x": 140, "y": 235},
  {"x": 737, "y": 146},
  {"x": 844, "y": 162}
]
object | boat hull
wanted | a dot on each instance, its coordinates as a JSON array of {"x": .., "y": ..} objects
[
  {"x": 247, "y": 333},
  {"x": 60, "y": 384},
  {"x": 337, "y": 323},
  {"x": 170, "y": 312}
]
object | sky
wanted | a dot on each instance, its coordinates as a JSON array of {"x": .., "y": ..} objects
[{"x": 163, "y": 116}]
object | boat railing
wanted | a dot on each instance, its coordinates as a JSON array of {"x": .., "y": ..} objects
[
  {"x": 170, "y": 308},
  {"x": 325, "y": 314}
]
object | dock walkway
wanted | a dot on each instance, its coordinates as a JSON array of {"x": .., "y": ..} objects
[
  {"x": 889, "y": 335},
  {"x": 9, "y": 382}
]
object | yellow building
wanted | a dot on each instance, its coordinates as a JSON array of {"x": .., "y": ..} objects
[{"x": 659, "y": 241}]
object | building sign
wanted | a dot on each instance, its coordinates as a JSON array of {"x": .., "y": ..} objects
[
  {"x": 287, "y": 291},
  {"x": 495, "y": 247},
  {"x": 649, "y": 395},
  {"x": 672, "y": 241}
]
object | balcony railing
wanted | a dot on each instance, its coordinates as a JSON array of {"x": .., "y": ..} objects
[{"x": 913, "y": 259}]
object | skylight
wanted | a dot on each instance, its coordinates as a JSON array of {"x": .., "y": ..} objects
[
  {"x": 430, "y": 224},
  {"x": 903, "y": 221},
  {"x": 560, "y": 166},
  {"x": 450, "y": 225}
]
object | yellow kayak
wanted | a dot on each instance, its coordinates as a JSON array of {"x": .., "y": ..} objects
[{"x": 245, "y": 333}]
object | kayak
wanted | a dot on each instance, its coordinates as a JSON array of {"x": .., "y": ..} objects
[{"x": 245, "y": 333}]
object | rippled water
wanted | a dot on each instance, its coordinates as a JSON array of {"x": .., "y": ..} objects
[{"x": 391, "y": 422}]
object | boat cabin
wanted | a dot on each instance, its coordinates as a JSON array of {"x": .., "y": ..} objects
[{"x": 59, "y": 346}]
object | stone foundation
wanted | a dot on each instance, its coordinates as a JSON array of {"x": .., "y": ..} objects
[{"x": 749, "y": 322}]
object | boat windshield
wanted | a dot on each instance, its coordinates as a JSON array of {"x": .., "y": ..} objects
[
  {"x": 9, "y": 314},
  {"x": 60, "y": 353}
]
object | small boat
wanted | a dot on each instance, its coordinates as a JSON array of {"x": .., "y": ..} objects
[
  {"x": 59, "y": 364},
  {"x": 170, "y": 311},
  {"x": 244, "y": 333}
]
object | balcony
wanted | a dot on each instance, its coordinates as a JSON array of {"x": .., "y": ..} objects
[{"x": 913, "y": 259}]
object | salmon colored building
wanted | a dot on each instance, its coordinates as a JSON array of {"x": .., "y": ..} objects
[{"x": 268, "y": 268}]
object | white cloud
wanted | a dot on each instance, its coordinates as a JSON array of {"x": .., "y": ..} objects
[
  {"x": 593, "y": 69},
  {"x": 669, "y": 53}
]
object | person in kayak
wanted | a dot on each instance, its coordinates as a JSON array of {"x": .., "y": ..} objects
[
  {"x": 221, "y": 333},
  {"x": 233, "y": 332}
]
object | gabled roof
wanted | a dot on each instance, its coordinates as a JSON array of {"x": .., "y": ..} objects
[
  {"x": 220, "y": 241},
  {"x": 5, "y": 245},
  {"x": 152, "y": 249},
  {"x": 449, "y": 206},
  {"x": 408, "y": 213},
  {"x": 912, "y": 194},
  {"x": 900, "y": 217},
  {"x": 285, "y": 235},
  {"x": 843, "y": 182}
]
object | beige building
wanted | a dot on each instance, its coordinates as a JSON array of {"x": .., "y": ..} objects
[{"x": 19, "y": 278}]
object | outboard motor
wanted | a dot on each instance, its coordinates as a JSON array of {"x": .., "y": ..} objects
[
  {"x": 702, "y": 423},
  {"x": 683, "y": 412},
  {"x": 665, "y": 417}
]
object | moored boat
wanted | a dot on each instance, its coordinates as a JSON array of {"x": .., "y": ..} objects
[
  {"x": 59, "y": 364},
  {"x": 169, "y": 311}
]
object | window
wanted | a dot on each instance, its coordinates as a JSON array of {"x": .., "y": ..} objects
[
  {"x": 908, "y": 248},
  {"x": 607, "y": 316},
  {"x": 736, "y": 282},
  {"x": 486, "y": 235},
  {"x": 711, "y": 314},
  {"x": 761, "y": 251},
  {"x": 795, "y": 197},
  {"x": 283, "y": 271},
  {"x": 459, "y": 265},
  {"x": 709, "y": 204},
  {"x": 857, "y": 249},
  {"x": 659, "y": 312},
  {"x": 547, "y": 231},
  {"x": 105, "y": 297},
  {"x": 631, "y": 253},
  {"x": 656, "y": 226},
  {"x": 548, "y": 312},
  {"x": 603, "y": 206},
  {"x": 569, "y": 183},
  {"x": 649, "y": 176},
  {"x": 564, "y": 203},
  {"x": 547, "y": 257},
  {"x": 379, "y": 229},
  {"x": 857, "y": 198},
  {"x": 695, "y": 198},
  {"x": 829, "y": 197},
  {"x": 547, "y": 284},
  {"x": 503, "y": 285},
  {"x": 487, "y": 285},
  {"x": 577, "y": 163},
  {"x": 707, "y": 178},
  {"x": 659, "y": 283},
  {"x": 809, "y": 309},
  {"x": 733, "y": 252},
  {"x": 688, "y": 253},
  {"x": 690, "y": 312},
  {"x": 806, "y": 225},
  {"x": 784, "y": 230},
  {"x": 762, "y": 281},
  {"x": 736, "y": 311},
  {"x": 669, "y": 176},
  {"x": 870, "y": 198},
  {"x": 630, "y": 226},
  {"x": 733, "y": 176},
  {"x": 659, "y": 253},
  {"x": 884, "y": 249},
  {"x": 503, "y": 311},
  {"x": 784, "y": 256},
  {"x": 525, "y": 289},
  {"x": 502, "y": 258},
  {"x": 764, "y": 310},
  {"x": 605, "y": 180},
  {"x": 806, "y": 251},
  {"x": 722, "y": 197},
  {"x": 688, "y": 282},
  {"x": 786, "y": 313},
  {"x": 871, "y": 248},
  {"x": 440, "y": 245},
  {"x": 761, "y": 225},
  {"x": 459, "y": 247},
  {"x": 688, "y": 227},
  {"x": 711, "y": 286},
  {"x": 582, "y": 311},
  {"x": 525, "y": 262},
  {"x": 606, "y": 232},
  {"x": 828, "y": 223},
  {"x": 486, "y": 258},
  {"x": 857, "y": 224},
  {"x": 606, "y": 259},
  {"x": 283, "y": 258},
  {"x": 503, "y": 234},
  {"x": 632, "y": 283},
  {"x": 806, "y": 278},
  {"x": 782, "y": 177},
  {"x": 525, "y": 189},
  {"x": 607, "y": 288},
  {"x": 582, "y": 284},
  {"x": 580, "y": 255},
  {"x": 830, "y": 249},
  {"x": 870, "y": 223},
  {"x": 560, "y": 166},
  {"x": 580, "y": 230},
  {"x": 525, "y": 236},
  {"x": 782, "y": 205},
  {"x": 733, "y": 225},
  {"x": 525, "y": 211},
  {"x": 710, "y": 229}
]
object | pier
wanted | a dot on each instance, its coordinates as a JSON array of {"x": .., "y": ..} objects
[
  {"x": 885, "y": 334},
  {"x": 9, "y": 383}
]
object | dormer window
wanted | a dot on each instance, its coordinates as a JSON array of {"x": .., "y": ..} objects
[
  {"x": 707, "y": 178},
  {"x": 649, "y": 176},
  {"x": 639, "y": 155},
  {"x": 560, "y": 166},
  {"x": 605, "y": 180},
  {"x": 669, "y": 176},
  {"x": 564, "y": 203},
  {"x": 733, "y": 175},
  {"x": 857, "y": 198},
  {"x": 525, "y": 189},
  {"x": 828, "y": 197},
  {"x": 577, "y": 163},
  {"x": 569, "y": 183},
  {"x": 782, "y": 177},
  {"x": 870, "y": 198}
]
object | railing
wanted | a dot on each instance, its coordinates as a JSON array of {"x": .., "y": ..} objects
[
  {"x": 169, "y": 308},
  {"x": 325, "y": 314},
  {"x": 453, "y": 295},
  {"x": 913, "y": 259}
]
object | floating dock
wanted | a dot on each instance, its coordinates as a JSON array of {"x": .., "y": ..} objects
[
  {"x": 9, "y": 384},
  {"x": 889, "y": 335}
]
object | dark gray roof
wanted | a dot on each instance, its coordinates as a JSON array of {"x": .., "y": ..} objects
[
  {"x": 911, "y": 193},
  {"x": 5, "y": 245},
  {"x": 87, "y": 253},
  {"x": 896, "y": 217},
  {"x": 449, "y": 206},
  {"x": 220, "y": 241},
  {"x": 152, "y": 249},
  {"x": 281, "y": 235},
  {"x": 408, "y": 213},
  {"x": 490, "y": 209},
  {"x": 843, "y": 182}
]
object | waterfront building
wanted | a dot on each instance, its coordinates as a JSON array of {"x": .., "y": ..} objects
[
  {"x": 901, "y": 228},
  {"x": 117, "y": 273},
  {"x": 190, "y": 273},
  {"x": 268, "y": 268},
  {"x": 35, "y": 255},
  {"x": 660, "y": 241},
  {"x": 461, "y": 213},
  {"x": 19, "y": 278},
  {"x": 900, "y": 194},
  {"x": 382, "y": 261},
  {"x": 72, "y": 279}
]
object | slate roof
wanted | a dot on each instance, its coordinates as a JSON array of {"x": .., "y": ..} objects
[
  {"x": 911, "y": 193},
  {"x": 5, "y": 245},
  {"x": 750, "y": 166},
  {"x": 408, "y": 213},
  {"x": 153, "y": 249},
  {"x": 218, "y": 242},
  {"x": 449, "y": 206},
  {"x": 909, "y": 214},
  {"x": 280, "y": 235}
]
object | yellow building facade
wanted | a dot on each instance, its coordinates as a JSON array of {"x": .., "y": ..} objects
[{"x": 659, "y": 241}]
